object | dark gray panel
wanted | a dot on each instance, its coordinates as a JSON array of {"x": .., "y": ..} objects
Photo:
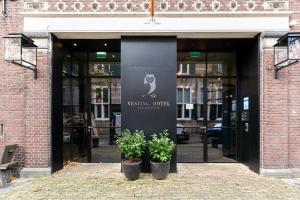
[
  {"x": 148, "y": 75},
  {"x": 156, "y": 52},
  {"x": 57, "y": 110},
  {"x": 248, "y": 140}
]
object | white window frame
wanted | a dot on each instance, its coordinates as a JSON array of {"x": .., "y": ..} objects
[
  {"x": 215, "y": 102},
  {"x": 183, "y": 103},
  {"x": 101, "y": 103},
  {"x": 187, "y": 69}
]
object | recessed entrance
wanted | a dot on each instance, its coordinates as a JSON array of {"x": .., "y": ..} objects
[{"x": 216, "y": 80}]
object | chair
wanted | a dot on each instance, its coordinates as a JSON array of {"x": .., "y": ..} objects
[{"x": 7, "y": 166}]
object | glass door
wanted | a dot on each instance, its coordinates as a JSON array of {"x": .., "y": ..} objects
[
  {"x": 105, "y": 108},
  {"x": 75, "y": 144},
  {"x": 221, "y": 107},
  {"x": 190, "y": 107},
  {"x": 221, "y": 119},
  {"x": 206, "y": 107}
]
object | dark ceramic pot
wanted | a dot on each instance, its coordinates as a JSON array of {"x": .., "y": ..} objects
[
  {"x": 131, "y": 169},
  {"x": 160, "y": 170}
]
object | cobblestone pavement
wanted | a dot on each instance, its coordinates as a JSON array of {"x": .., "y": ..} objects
[{"x": 193, "y": 181}]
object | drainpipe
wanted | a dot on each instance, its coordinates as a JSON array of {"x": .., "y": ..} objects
[
  {"x": 152, "y": 10},
  {"x": 4, "y": 13}
]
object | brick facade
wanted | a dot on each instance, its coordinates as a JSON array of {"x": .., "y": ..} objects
[
  {"x": 24, "y": 107},
  {"x": 25, "y": 102},
  {"x": 280, "y": 110}
]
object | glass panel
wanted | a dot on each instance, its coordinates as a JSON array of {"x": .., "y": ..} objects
[
  {"x": 105, "y": 111},
  {"x": 221, "y": 121},
  {"x": 187, "y": 95},
  {"x": 185, "y": 69},
  {"x": 12, "y": 49},
  {"x": 200, "y": 111},
  {"x": 219, "y": 111},
  {"x": 99, "y": 111},
  {"x": 191, "y": 63},
  {"x": 108, "y": 65},
  {"x": 212, "y": 110},
  {"x": 29, "y": 56},
  {"x": 294, "y": 48},
  {"x": 280, "y": 54},
  {"x": 189, "y": 135},
  {"x": 106, "y": 129},
  {"x": 179, "y": 95},
  {"x": 105, "y": 95},
  {"x": 179, "y": 111},
  {"x": 200, "y": 95},
  {"x": 98, "y": 94},
  {"x": 186, "y": 113},
  {"x": 74, "y": 135},
  {"x": 221, "y": 64}
]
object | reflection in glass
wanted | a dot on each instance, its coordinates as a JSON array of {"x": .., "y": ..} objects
[
  {"x": 106, "y": 106},
  {"x": 74, "y": 136},
  {"x": 221, "y": 64},
  {"x": 104, "y": 66},
  {"x": 221, "y": 120},
  {"x": 189, "y": 119},
  {"x": 294, "y": 48},
  {"x": 191, "y": 63},
  {"x": 220, "y": 96}
]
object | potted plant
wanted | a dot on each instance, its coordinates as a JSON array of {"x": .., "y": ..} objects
[
  {"x": 160, "y": 150},
  {"x": 132, "y": 145}
]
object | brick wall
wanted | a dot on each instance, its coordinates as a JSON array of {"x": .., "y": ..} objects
[
  {"x": 24, "y": 102},
  {"x": 12, "y": 87},
  {"x": 294, "y": 99},
  {"x": 280, "y": 111}
]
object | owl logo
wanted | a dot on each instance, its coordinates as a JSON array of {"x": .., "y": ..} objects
[{"x": 151, "y": 82}]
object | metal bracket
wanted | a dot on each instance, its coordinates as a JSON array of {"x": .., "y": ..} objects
[{"x": 277, "y": 69}]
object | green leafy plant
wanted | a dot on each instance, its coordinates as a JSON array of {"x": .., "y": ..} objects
[
  {"x": 161, "y": 147},
  {"x": 132, "y": 144}
]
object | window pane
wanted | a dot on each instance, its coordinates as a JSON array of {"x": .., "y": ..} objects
[
  {"x": 220, "y": 96},
  {"x": 75, "y": 95},
  {"x": 185, "y": 68},
  {"x": 186, "y": 113},
  {"x": 213, "y": 111},
  {"x": 179, "y": 111},
  {"x": 104, "y": 63},
  {"x": 105, "y": 95},
  {"x": 178, "y": 68},
  {"x": 105, "y": 111},
  {"x": 179, "y": 95},
  {"x": 99, "y": 111},
  {"x": 221, "y": 64},
  {"x": 219, "y": 111},
  {"x": 98, "y": 95},
  {"x": 187, "y": 97},
  {"x": 200, "y": 96},
  {"x": 200, "y": 113}
]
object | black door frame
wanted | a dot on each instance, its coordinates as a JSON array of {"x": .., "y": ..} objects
[{"x": 56, "y": 113}]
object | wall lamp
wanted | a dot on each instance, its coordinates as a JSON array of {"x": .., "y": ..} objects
[
  {"x": 21, "y": 50},
  {"x": 286, "y": 51}
]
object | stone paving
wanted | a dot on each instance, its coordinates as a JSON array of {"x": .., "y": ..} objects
[{"x": 193, "y": 181}]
